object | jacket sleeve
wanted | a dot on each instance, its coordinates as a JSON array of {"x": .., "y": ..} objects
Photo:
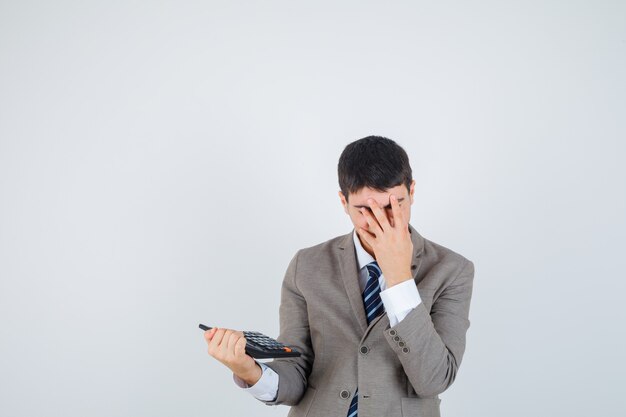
[
  {"x": 294, "y": 331},
  {"x": 430, "y": 346}
]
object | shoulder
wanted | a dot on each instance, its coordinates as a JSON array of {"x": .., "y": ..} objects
[
  {"x": 439, "y": 253},
  {"x": 325, "y": 252},
  {"x": 444, "y": 264}
]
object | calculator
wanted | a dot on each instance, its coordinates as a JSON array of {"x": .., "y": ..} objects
[{"x": 260, "y": 346}]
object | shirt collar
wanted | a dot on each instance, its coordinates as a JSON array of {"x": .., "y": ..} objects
[{"x": 363, "y": 258}]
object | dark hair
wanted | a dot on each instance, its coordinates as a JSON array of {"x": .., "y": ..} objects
[{"x": 375, "y": 162}]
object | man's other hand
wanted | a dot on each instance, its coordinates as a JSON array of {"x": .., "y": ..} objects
[{"x": 390, "y": 239}]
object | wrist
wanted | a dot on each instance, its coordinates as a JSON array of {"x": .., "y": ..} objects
[
  {"x": 252, "y": 377},
  {"x": 399, "y": 279}
]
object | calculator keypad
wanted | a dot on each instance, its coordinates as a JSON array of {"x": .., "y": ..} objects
[{"x": 265, "y": 346}]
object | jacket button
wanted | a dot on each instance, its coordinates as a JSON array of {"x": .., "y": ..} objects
[
  {"x": 401, "y": 344},
  {"x": 364, "y": 350},
  {"x": 405, "y": 350},
  {"x": 345, "y": 394},
  {"x": 392, "y": 332}
]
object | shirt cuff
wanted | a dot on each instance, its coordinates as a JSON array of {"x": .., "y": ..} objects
[
  {"x": 399, "y": 300},
  {"x": 266, "y": 387}
]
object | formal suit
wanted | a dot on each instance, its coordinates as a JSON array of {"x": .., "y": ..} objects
[{"x": 399, "y": 370}]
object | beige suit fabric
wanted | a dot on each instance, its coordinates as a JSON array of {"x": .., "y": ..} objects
[{"x": 400, "y": 370}]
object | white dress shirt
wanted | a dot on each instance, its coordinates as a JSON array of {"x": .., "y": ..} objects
[{"x": 398, "y": 300}]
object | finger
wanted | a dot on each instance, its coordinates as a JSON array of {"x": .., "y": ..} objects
[
  {"x": 240, "y": 347},
  {"x": 365, "y": 235},
  {"x": 214, "y": 343},
  {"x": 217, "y": 338},
  {"x": 374, "y": 227},
  {"x": 224, "y": 345},
  {"x": 232, "y": 341},
  {"x": 208, "y": 334},
  {"x": 395, "y": 210},
  {"x": 380, "y": 215}
]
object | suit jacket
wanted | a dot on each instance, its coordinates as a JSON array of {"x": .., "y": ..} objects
[{"x": 400, "y": 370}]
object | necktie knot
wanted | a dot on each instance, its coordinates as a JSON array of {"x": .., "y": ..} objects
[{"x": 373, "y": 269}]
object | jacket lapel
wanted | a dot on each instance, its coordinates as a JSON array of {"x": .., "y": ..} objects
[
  {"x": 350, "y": 274},
  {"x": 350, "y": 277}
]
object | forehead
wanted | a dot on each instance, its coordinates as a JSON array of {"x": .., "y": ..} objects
[{"x": 360, "y": 197}]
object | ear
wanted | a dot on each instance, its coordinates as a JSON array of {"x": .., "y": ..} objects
[
  {"x": 344, "y": 203},
  {"x": 412, "y": 191}
]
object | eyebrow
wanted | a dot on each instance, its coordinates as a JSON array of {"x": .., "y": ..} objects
[{"x": 388, "y": 206}]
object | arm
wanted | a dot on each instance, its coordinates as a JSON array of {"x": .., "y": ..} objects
[
  {"x": 435, "y": 341},
  {"x": 429, "y": 346},
  {"x": 294, "y": 331},
  {"x": 284, "y": 380}
]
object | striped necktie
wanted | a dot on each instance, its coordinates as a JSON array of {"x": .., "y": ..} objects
[{"x": 373, "y": 308}]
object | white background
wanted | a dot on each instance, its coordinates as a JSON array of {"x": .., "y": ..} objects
[{"x": 161, "y": 162}]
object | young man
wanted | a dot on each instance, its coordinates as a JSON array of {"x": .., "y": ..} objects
[{"x": 379, "y": 314}]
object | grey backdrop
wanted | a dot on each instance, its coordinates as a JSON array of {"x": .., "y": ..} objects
[{"x": 161, "y": 162}]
